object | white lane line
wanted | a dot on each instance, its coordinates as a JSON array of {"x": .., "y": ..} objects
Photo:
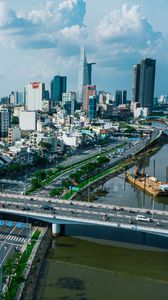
[{"x": 6, "y": 254}]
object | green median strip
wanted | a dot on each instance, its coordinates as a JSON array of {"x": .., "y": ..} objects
[{"x": 15, "y": 267}]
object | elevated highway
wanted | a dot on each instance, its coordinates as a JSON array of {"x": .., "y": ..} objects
[{"x": 60, "y": 212}]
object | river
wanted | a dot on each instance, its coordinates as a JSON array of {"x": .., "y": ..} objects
[{"x": 90, "y": 269}]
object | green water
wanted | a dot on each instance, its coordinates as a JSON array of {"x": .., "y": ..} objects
[{"x": 83, "y": 270}]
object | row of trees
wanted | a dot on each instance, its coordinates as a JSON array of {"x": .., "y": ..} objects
[{"x": 86, "y": 172}]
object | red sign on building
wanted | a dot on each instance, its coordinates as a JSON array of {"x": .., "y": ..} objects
[{"x": 35, "y": 85}]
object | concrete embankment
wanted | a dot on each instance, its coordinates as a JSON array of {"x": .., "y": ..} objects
[{"x": 29, "y": 289}]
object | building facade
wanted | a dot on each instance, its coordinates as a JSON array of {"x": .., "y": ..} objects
[
  {"x": 58, "y": 86},
  {"x": 34, "y": 95},
  {"x": 147, "y": 82},
  {"x": 136, "y": 81},
  {"x": 90, "y": 90},
  {"x": 68, "y": 102},
  {"x": 5, "y": 122},
  {"x": 14, "y": 134},
  {"x": 92, "y": 108},
  {"x": 28, "y": 120},
  {"x": 120, "y": 97}
]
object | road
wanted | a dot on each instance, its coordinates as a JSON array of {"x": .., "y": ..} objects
[
  {"x": 54, "y": 208},
  {"x": 12, "y": 239}
]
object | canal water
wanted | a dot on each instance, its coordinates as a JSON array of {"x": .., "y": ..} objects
[{"x": 82, "y": 268}]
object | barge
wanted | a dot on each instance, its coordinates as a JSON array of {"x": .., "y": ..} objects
[{"x": 148, "y": 184}]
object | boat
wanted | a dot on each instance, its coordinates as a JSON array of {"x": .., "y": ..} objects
[{"x": 148, "y": 184}]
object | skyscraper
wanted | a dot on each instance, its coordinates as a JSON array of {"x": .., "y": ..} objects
[
  {"x": 92, "y": 107},
  {"x": 85, "y": 75},
  {"x": 147, "y": 82},
  {"x": 120, "y": 97},
  {"x": 58, "y": 86},
  {"x": 136, "y": 80}
]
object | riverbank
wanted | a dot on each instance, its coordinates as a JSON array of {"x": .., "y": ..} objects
[{"x": 35, "y": 270}]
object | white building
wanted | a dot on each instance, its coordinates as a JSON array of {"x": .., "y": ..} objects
[
  {"x": 72, "y": 139},
  {"x": 34, "y": 95},
  {"x": 141, "y": 112},
  {"x": 28, "y": 120}
]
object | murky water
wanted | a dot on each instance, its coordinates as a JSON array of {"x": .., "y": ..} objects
[{"x": 84, "y": 270}]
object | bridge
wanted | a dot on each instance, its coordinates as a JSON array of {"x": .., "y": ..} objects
[{"x": 59, "y": 212}]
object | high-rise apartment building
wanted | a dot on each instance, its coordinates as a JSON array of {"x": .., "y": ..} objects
[
  {"x": 58, "y": 86},
  {"x": 34, "y": 95},
  {"x": 85, "y": 75},
  {"x": 68, "y": 102},
  {"x": 147, "y": 82},
  {"x": 120, "y": 97},
  {"x": 5, "y": 122},
  {"x": 144, "y": 82}
]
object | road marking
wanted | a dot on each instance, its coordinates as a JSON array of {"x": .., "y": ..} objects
[{"x": 6, "y": 254}]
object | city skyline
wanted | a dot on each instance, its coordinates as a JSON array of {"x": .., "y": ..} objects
[{"x": 39, "y": 41}]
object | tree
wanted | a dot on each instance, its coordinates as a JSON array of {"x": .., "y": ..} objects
[
  {"x": 15, "y": 120},
  {"x": 35, "y": 183},
  {"x": 40, "y": 175}
]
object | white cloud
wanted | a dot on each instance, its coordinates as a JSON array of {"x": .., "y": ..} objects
[
  {"x": 125, "y": 36},
  {"x": 40, "y": 28},
  {"x": 126, "y": 26}
]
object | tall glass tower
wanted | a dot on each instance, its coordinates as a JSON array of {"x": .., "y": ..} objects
[
  {"x": 84, "y": 76},
  {"x": 58, "y": 86},
  {"x": 136, "y": 80},
  {"x": 147, "y": 82}
]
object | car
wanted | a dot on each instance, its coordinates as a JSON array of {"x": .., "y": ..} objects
[
  {"x": 142, "y": 218},
  {"x": 148, "y": 212},
  {"x": 47, "y": 207},
  {"x": 31, "y": 199},
  {"x": 25, "y": 208},
  {"x": 132, "y": 211}
]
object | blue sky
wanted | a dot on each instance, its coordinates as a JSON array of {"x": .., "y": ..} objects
[{"x": 39, "y": 39}]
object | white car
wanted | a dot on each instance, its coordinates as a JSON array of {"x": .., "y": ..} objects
[{"x": 142, "y": 218}]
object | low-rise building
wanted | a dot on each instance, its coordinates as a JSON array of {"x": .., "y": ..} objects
[{"x": 14, "y": 134}]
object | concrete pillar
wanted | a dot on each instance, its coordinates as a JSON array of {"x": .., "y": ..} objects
[{"x": 56, "y": 229}]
